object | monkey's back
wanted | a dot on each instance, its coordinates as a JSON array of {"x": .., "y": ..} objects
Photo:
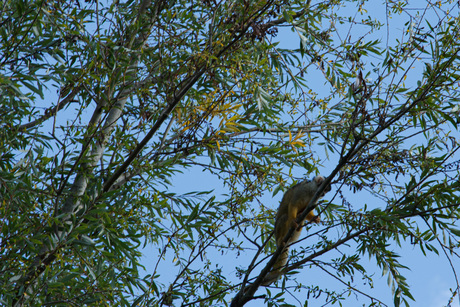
[{"x": 298, "y": 197}]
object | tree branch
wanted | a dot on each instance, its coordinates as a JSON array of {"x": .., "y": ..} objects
[{"x": 50, "y": 111}]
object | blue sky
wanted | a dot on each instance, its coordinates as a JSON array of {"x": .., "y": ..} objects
[{"x": 430, "y": 277}]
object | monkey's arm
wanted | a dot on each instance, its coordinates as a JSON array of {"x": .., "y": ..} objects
[
  {"x": 297, "y": 208},
  {"x": 311, "y": 217}
]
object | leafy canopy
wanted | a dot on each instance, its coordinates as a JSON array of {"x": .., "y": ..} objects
[{"x": 113, "y": 112}]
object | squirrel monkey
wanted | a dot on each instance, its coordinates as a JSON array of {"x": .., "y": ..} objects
[{"x": 294, "y": 202}]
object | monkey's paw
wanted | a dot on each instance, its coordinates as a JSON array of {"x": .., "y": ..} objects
[{"x": 316, "y": 219}]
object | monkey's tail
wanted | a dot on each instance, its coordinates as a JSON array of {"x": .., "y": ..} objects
[{"x": 278, "y": 267}]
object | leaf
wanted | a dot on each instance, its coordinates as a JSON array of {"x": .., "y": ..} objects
[
  {"x": 85, "y": 240},
  {"x": 455, "y": 231},
  {"x": 194, "y": 213},
  {"x": 263, "y": 98}
]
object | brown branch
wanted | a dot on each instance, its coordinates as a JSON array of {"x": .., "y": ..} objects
[
  {"x": 348, "y": 285},
  {"x": 247, "y": 293},
  {"x": 52, "y": 111},
  {"x": 294, "y": 16},
  {"x": 326, "y": 249},
  {"x": 178, "y": 95}
]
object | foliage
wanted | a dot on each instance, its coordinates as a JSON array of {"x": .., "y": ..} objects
[{"x": 112, "y": 111}]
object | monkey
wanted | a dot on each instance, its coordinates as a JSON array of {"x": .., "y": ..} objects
[{"x": 293, "y": 203}]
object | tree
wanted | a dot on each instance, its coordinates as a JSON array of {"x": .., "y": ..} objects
[{"x": 105, "y": 104}]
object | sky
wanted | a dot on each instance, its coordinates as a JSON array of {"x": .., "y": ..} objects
[{"x": 430, "y": 277}]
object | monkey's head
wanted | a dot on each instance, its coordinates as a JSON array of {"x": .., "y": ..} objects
[{"x": 319, "y": 180}]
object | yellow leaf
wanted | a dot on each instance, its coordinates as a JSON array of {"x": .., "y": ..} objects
[
  {"x": 298, "y": 136},
  {"x": 233, "y": 118},
  {"x": 298, "y": 143}
]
